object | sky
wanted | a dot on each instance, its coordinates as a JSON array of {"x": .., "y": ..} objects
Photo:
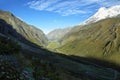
[{"x": 48, "y": 15}]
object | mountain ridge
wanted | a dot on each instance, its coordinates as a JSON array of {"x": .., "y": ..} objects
[
  {"x": 102, "y": 13},
  {"x": 29, "y": 32}
]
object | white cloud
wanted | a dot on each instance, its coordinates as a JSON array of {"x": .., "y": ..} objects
[
  {"x": 70, "y": 7},
  {"x": 41, "y": 4},
  {"x": 108, "y": 3}
]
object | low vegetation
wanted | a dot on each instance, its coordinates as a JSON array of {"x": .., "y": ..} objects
[
  {"x": 53, "y": 45},
  {"x": 7, "y": 46}
]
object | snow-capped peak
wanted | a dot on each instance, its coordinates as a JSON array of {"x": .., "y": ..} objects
[{"x": 104, "y": 13}]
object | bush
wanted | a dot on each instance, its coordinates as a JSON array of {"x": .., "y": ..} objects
[
  {"x": 7, "y": 46},
  {"x": 8, "y": 71}
]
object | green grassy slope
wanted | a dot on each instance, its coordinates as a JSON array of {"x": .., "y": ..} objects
[{"x": 98, "y": 40}]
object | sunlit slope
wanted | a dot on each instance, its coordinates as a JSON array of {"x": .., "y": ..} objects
[
  {"x": 99, "y": 40},
  {"x": 29, "y": 32}
]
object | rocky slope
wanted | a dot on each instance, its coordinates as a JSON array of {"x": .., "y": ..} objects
[{"x": 26, "y": 31}]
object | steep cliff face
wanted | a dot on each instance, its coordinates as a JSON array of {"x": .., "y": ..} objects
[{"x": 29, "y": 32}]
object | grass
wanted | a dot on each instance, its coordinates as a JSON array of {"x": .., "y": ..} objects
[
  {"x": 91, "y": 40},
  {"x": 53, "y": 45}
]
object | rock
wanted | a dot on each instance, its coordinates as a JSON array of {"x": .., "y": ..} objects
[{"x": 27, "y": 74}]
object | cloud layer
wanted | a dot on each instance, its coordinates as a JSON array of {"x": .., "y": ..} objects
[{"x": 70, "y": 7}]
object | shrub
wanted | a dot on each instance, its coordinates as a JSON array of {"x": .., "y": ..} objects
[{"x": 8, "y": 46}]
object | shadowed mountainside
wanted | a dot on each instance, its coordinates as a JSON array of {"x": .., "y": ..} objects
[{"x": 27, "y": 65}]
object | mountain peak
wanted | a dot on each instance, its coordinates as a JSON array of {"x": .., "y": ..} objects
[
  {"x": 104, "y": 13},
  {"x": 102, "y": 9}
]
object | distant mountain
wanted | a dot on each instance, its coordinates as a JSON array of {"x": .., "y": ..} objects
[
  {"x": 29, "y": 32},
  {"x": 57, "y": 34},
  {"x": 104, "y": 13}
]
